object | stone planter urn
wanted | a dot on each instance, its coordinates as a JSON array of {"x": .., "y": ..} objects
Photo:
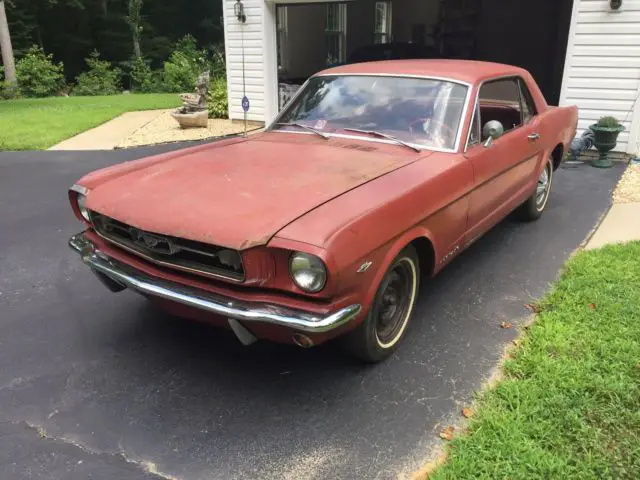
[
  {"x": 198, "y": 119},
  {"x": 194, "y": 112},
  {"x": 606, "y": 133}
]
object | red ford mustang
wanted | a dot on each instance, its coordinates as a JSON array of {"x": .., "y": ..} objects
[{"x": 374, "y": 176}]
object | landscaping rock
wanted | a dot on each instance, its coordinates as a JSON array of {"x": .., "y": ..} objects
[
  {"x": 192, "y": 119},
  {"x": 628, "y": 189},
  {"x": 163, "y": 129}
]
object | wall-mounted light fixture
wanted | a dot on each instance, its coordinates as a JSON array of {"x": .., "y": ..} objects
[
  {"x": 238, "y": 9},
  {"x": 615, "y": 4}
]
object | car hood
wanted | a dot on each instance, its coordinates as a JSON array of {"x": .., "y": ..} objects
[{"x": 242, "y": 193}]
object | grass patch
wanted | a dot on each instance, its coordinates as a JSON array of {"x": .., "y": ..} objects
[
  {"x": 569, "y": 406},
  {"x": 39, "y": 123}
]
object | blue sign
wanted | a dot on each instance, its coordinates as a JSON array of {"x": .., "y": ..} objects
[{"x": 245, "y": 103}]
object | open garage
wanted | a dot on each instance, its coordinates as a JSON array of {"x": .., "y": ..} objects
[
  {"x": 312, "y": 36},
  {"x": 582, "y": 52}
]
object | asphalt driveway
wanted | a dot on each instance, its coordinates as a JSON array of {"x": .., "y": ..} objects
[{"x": 100, "y": 385}]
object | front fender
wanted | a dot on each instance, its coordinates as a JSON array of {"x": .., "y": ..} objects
[{"x": 389, "y": 252}]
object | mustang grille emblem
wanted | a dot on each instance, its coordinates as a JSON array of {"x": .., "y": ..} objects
[{"x": 151, "y": 242}]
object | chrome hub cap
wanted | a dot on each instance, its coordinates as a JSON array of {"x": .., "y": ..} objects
[{"x": 542, "y": 190}]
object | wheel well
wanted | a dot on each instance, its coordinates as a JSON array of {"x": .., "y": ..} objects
[
  {"x": 426, "y": 256},
  {"x": 557, "y": 154}
]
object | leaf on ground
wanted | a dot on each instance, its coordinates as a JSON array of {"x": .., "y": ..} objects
[
  {"x": 466, "y": 412},
  {"x": 533, "y": 307},
  {"x": 506, "y": 325},
  {"x": 592, "y": 306},
  {"x": 447, "y": 433}
]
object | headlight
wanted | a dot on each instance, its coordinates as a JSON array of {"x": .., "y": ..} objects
[
  {"x": 82, "y": 200},
  {"x": 308, "y": 272}
]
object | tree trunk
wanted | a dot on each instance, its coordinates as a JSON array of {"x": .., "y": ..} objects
[
  {"x": 136, "y": 47},
  {"x": 5, "y": 46}
]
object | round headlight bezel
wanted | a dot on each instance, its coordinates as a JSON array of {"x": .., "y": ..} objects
[
  {"x": 81, "y": 203},
  {"x": 305, "y": 264}
]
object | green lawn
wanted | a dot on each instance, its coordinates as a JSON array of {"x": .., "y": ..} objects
[
  {"x": 569, "y": 406},
  {"x": 39, "y": 123}
]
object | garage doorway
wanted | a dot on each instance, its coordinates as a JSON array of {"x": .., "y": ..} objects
[{"x": 314, "y": 36}]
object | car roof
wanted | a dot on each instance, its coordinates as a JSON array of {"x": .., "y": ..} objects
[{"x": 468, "y": 71}]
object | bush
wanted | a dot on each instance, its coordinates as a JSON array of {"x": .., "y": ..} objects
[
  {"x": 184, "y": 65},
  {"x": 101, "y": 79},
  {"x": 142, "y": 78},
  {"x": 38, "y": 75},
  {"x": 217, "y": 99},
  {"x": 8, "y": 91},
  {"x": 608, "y": 122}
]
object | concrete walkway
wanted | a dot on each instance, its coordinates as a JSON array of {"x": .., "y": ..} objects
[
  {"x": 108, "y": 135},
  {"x": 621, "y": 224}
]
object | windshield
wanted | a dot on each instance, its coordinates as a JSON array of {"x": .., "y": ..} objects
[{"x": 423, "y": 112}]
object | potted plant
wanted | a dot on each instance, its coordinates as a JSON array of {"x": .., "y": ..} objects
[{"x": 606, "y": 133}]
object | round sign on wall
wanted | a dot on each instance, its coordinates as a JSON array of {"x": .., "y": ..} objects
[{"x": 245, "y": 103}]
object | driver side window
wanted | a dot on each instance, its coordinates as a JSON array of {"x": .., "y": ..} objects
[{"x": 500, "y": 100}]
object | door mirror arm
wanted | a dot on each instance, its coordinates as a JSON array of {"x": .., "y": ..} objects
[{"x": 492, "y": 130}]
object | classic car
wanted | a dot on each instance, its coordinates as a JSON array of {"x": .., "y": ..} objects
[{"x": 374, "y": 177}]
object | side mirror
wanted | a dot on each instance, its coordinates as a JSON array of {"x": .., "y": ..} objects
[{"x": 492, "y": 130}]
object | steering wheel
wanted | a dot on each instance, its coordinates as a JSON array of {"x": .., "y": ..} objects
[{"x": 443, "y": 127}]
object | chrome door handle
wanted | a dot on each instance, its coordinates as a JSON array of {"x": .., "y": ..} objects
[{"x": 534, "y": 137}]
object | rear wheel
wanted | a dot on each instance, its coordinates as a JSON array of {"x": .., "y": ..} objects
[
  {"x": 533, "y": 207},
  {"x": 380, "y": 333}
]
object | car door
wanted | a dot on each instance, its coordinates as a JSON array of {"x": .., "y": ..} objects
[{"x": 502, "y": 168}]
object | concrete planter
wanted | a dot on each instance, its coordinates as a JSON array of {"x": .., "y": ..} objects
[
  {"x": 606, "y": 139},
  {"x": 192, "y": 119}
]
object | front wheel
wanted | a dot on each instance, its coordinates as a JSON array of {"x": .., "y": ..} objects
[
  {"x": 380, "y": 333},
  {"x": 533, "y": 207}
]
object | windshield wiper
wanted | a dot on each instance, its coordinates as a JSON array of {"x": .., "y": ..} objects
[
  {"x": 306, "y": 127},
  {"x": 383, "y": 135}
]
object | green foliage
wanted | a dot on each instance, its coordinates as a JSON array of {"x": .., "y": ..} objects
[
  {"x": 39, "y": 123},
  {"x": 38, "y": 75},
  {"x": 70, "y": 29},
  {"x": 608, "y": 122},
  {"x": 7, "y": 91},
  {"x": 185, "y": 64},
  {"x": 143, "y": 79},
  {"x": 101, "y": 79},
  {"x": 217, "y": 99},
  {"x": 569, "y": 404}
]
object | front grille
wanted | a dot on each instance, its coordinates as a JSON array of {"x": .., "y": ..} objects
[{"x": 171, "y": 251}]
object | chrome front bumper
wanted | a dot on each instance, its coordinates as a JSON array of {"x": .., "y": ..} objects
[{"x": 243, "y": 311}]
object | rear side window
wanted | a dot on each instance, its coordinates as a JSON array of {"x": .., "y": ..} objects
[{"x": 500, "y": 100}]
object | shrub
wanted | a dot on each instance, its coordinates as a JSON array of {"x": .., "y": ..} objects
[
  {"x": 142, "y": 78},
  {"x": 38, "y": 75},
  {"x": 608, "y": 122},
  {"x": 101, "y": 79},
  {"x": 7, "y": 91},
  {"x": 184, "y": 65},
  {"x": 217, "y": 99}
]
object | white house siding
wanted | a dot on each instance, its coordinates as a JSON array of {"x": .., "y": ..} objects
[
  {"x": 602, "y": 69},
  {"x": 257, "y": 35}
]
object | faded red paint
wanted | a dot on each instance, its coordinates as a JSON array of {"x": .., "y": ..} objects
[
  {"x": 241, "y": 195},
  {"x": 345, "y": 200}
]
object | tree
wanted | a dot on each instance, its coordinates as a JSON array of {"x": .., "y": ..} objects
[
  {"x": 5, "y": 45},
  {"x": 134, "y": 19}
]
